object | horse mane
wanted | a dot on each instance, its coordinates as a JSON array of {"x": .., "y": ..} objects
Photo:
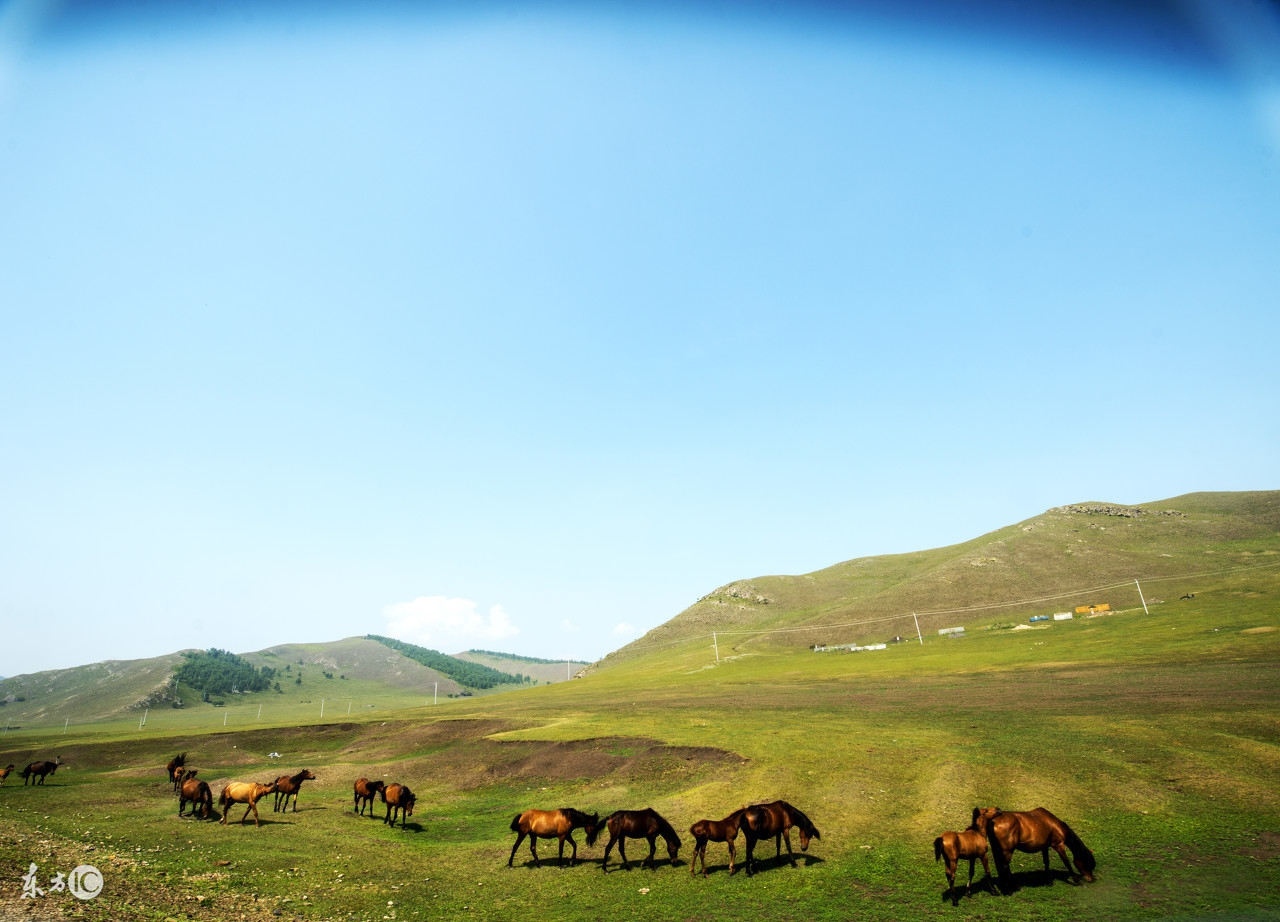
[
  {"x": 577, "y": 817},
  {"x": 799, "y": 819},
  {"x": 664, "y": 828}
]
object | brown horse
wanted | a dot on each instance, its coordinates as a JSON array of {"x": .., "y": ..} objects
[
  {"x": 8, "y": 769},
  {"x": 287, "y": 786},
  {"x": 196, "y": 793},
  {"x": 1036, "y": 830},
  {"x": 970, "y": 843},
  {"x": 553, "y": 824},
  {"x": 174, "y": 768},
  {"x": 243, "y": 792},
  {"x": 39, "y": 768},
  {"x": 398, "y": 797},
  {"x": 640, "y": 824},
  {"x": 764, "y": 821},
  {"x": 364, "y": 792},
  {"x": 704, "y": 831}
]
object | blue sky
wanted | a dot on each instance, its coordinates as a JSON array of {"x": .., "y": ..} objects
[{"x": 522, "y": 327}]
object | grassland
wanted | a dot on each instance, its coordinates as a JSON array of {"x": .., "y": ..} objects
[{"x": 1157, "y": 737}]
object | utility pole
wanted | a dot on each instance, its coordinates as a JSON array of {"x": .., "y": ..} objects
[
  {"x": 716, "y": 645},
  {"x": 64, "y": 726},
  {"x": 322, "y": 709},
  {"x": 224, "y": 717},
  {"x": 259, "y": 712},
  {"x": 1144, "y": 601},
  {"x": 435, "y": 695},
  {"x": 918, "y": 634}
]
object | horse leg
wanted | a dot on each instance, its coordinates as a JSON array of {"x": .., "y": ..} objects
[
  {"x": 256, "y": 822},
  {"x": 561, "y": 863},
  {"x": 778, "y": 844},
  {"x": 751, "y": 858},
  {"x": 573, "y": 859},
  {"x": 732, "y": 850},
  {"x": 653, "y": 850},
  {"x": 1063, "y": 852},
  {"x": 607, "y": 849},
  {"x": 987, "y": 869},
  {"x": 519, "y": 839},
  {"x": 622, "y": 851},
  {"x": 693, "y": 865},
  {"x": 533, "y": 849},
  {"x": 786, "y": 834},
  {"x": 968, "y": 888},
  {"x": 951, "y": 881}
]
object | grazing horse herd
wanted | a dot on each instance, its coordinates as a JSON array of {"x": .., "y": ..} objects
[{"x": 990, "y": 829}]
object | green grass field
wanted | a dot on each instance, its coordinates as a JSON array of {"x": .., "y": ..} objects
[{"x": 1157, "y": 738}]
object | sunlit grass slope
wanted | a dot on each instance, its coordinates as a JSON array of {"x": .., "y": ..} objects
[{"x": 1057, "y": 558}]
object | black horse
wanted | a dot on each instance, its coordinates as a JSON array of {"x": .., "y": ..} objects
[
  {"x": 767, "y": 821},
  {"x": 640, "y": 824}
]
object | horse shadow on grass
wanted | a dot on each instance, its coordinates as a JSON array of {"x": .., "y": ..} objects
[
  {"x": 1014, "y": 881},
  {"x": 778, "y": 861}
]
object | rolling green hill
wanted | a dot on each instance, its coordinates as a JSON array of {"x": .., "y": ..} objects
[
  {"x": 1049, "y": 563},
  {"x": 545, "y": 671}
]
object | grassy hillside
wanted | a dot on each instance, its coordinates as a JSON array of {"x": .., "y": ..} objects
[
  {"x": 1048, "y": 563},
  {"x": 545, "y": 671}
]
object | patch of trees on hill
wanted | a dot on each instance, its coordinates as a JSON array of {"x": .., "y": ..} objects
[
  {"x": 472, "y": 675},
  {"x": 526, "y": 659},
  {"x": 218, "y": 672}
]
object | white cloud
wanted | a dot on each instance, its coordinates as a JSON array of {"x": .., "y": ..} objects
[
  {"x": 446, "y": 624},
  {"x": 569, "y": 626},
  {"x": 624, "y": 630}
]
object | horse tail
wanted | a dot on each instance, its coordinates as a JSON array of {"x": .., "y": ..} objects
[
  {"x": 515, "y": 823},
  {"x": 222, "y": 798},
  {"x": 1079, "y": 851},
  {"x": 26, "y": 772},
  {"x": 937, "y": 849}
]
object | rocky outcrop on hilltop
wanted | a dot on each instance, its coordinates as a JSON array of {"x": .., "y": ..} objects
[{"x": 1125, "y": 512}]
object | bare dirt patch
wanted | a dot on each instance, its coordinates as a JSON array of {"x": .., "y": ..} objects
[
  {"x": 1266, "y": 845},
  {"x": 1260, "y": 630}
]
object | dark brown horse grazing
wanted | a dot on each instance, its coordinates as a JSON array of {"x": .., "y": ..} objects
[
  {"x": 288, "y": 786},
  {"x": 764, "y": 821},
  {"x": 243, "y": 792},
  {"x": 704, "y": 831},
  {"x": 5, "y": 772},
  {"x": 41, "y": 769},
  {"x": 364, "y": 792},
  {"x": 1036, "y": 830},
  {"x": 553, "y": 824},
  {"x": 640, "y": 824},
  {"x": 970, "y": 843},
  {"x": 398, "y": 797},
  {"x": 196, "y": 793},
  {"x": 174, "y": 768}
]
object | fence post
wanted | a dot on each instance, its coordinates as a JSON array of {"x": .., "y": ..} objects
[
  {"x": 1140, "y": 595},
  {"x": 918, "y": 634},
  {"x": 716, "y": 645}
]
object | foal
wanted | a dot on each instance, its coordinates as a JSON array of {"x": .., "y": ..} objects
[
  {"x": 970, "y": 843},
  {"x": 704, "y": 831}
]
